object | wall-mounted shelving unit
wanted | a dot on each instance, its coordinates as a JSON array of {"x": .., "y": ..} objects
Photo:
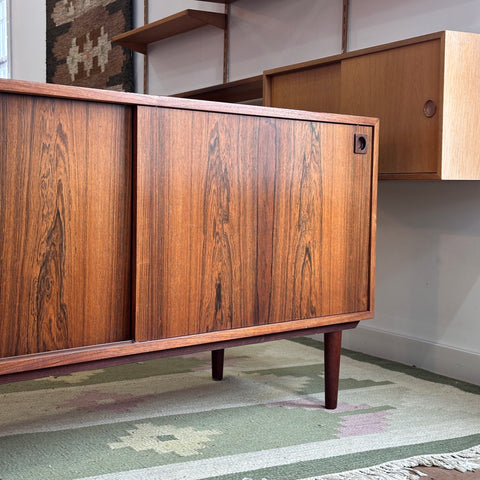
[
  {"x": 423, "y": 89},
  {"x": 187, "y": 20},
  {"x": 181, "y": 22}
]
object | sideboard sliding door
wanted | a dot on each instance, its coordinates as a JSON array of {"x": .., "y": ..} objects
[
  {"x": 246, "y": 221},
  {"x": 65, "y": 222},
  {"x": 196, "y": 222}
]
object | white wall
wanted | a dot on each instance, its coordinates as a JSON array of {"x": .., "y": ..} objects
[
  {"x": 273, "y": 33},
  {"x": 428, "y": 278},
  {"x": 428, "y": 246},
  {"x": 28, "y": 40},
  {"x": 263, "y": 35},
  {"x": 380, "y": 21}
]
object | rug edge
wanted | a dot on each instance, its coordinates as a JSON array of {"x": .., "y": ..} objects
[{"x": 467, "y": 460}]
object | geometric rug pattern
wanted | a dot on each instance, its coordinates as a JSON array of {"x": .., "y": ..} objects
[{"x": 166, "y": 419}]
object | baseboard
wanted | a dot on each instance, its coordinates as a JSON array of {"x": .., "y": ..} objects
[{"x": 441, "y": 359}]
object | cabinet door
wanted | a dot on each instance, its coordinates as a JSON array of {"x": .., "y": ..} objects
[
  {"x": 244, "y": 221},
  {"x": 319, "y": 250},
  {"x": 395, "y": 86},
  {"x": 65, "y": 202},
  {"x": 196, "y": 217},
  {"x": 316, "y": 89}
]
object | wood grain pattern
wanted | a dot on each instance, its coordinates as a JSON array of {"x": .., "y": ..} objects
[
  {"x": 237, "y": 91},
  {"x": 87, "y": 358},
  {"x": 181, "y": 22},
  {"x": 321, "y": 234},
  {"x": 246, "y": 221},
  {"x": 23, "y": 87},
  {"x": 197, "y": 198},
  {"x": 333, "y": 344},
  {"x": 314, "y": 89},
  {"x": 394, "y": 85},
  {"x": 65, "y": 179},
  {"x": 210, "y": 182},
  {"x": 394, "y": 82},
  {"x": 461, "y": 107}
]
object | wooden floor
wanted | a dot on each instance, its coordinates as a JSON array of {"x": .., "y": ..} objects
[{"x": 442, "y": 474}]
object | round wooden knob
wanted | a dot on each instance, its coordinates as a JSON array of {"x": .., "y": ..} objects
[{"x": 430, "y": 108}]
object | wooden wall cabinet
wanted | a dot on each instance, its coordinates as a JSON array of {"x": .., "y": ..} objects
[
  {"x": 424, "y": 91},
  {"x": 135, "y": 227}
]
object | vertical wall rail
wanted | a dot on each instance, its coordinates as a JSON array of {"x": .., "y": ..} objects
[
  {"x": 145, "y": 57},
  {"x": 226, "y": 45},
  {"x": 345, "y": 26}
]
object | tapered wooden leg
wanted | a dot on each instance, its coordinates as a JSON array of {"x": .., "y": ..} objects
[
  {"x": 333, "y": 342},
  {"x": 217, "y": 364}
]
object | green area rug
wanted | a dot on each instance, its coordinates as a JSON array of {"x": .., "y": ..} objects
[{"x": 165, "y": 419}]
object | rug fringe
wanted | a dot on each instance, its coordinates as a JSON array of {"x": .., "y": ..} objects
[{"x": 464, "y": 461}]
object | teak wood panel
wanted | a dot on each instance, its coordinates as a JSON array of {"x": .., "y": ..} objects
[
  {"x": 321, "y": 227},
  {"x": 181, "y": 22},
  {"x": 313, "y": 89},
  {"x": 65, "y": 218},
  {"x": 394, "y": 86},
  {"x": 196, "y": 223},
  {"x": 461, "y": 106},
  {"x": 395, "y": 82},
  {"x": 244, "y": 221}
]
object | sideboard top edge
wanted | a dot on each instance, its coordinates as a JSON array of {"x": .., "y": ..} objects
[{"x": 24, "y": 87}]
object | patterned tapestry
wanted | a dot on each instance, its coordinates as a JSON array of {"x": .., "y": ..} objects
[{"x": 79, "y": 43}]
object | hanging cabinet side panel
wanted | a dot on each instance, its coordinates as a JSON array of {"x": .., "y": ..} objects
[
  {"x": 461, "y": 109},
  {"x": 65, "y": 216}
]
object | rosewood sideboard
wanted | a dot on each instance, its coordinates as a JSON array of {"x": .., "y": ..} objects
[{"x": 135, "y": 227}]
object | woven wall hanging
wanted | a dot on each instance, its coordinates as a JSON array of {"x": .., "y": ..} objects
[{"x": 79, "y": 43}]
